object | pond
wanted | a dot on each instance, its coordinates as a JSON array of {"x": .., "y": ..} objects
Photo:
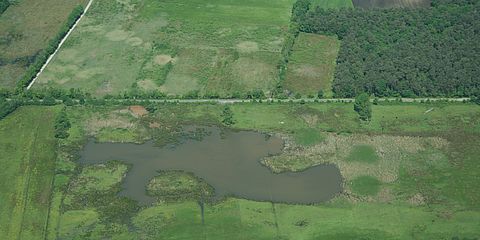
[{"x": 227, "y": 160}]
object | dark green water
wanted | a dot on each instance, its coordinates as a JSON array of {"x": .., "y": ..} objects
[{"x": 227, "y": 160}]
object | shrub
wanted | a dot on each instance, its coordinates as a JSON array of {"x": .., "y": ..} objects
[
  {"x": 62, "y": 124},
  {"x": 363, "y": 107}
]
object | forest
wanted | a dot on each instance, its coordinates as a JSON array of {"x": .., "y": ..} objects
[{"x": 420, "y": 52}]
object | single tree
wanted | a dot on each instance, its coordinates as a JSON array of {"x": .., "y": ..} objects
[
  {"x": 363, "y": 107},
  {"x": 227, "y": 116},
  {"x": 320, "y": 93},
  {"x": 476, "y": 98}
]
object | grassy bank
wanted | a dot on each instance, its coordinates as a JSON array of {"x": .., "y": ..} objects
[{"x": 27, "y": 145}]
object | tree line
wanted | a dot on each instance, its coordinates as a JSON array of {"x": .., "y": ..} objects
[
  {"x": 4, "y": 4},
  {"x": 422, "y": 52}
]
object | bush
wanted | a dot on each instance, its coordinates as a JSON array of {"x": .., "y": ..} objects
[
  {"x": 62, "y": 124},
  {"x": 7, "y": 107},
  {"x": 363, "y": 107},
  {"x": 227, "y": 116}
]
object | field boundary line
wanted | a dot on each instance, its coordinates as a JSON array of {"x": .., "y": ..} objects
[{"x": 60, "y": 45}]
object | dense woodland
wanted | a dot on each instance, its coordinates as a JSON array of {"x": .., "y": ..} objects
[{"x": 404, "y": 52}]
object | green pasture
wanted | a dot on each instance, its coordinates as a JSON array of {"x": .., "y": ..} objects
[
  {"x": 312, "y": 64},
  {"x": 27, "y": 147},
  {"x": 215, "y": 47}
]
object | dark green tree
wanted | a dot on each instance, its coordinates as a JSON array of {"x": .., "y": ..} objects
[
  {"x": 151, "y": 107},
  {"x": 227, "y": 116},
  {"x": 363, "y": 107},
  {"x": 320, "y": 93},
  {"x": 62, "y": 124},
  {"x": 476, "y": 98}
]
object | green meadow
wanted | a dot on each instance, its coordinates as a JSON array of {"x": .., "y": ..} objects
[
  {"x": 28, "y": 150},
  {"x": 207, "y": 47},
  {"x": 312, "y": 64}
]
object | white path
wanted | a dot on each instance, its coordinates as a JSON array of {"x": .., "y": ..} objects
[{"x": 60, "y": 45}]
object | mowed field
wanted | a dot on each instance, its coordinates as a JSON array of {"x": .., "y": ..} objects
[
  {"x": 213, "y": 47},
  {"x": 391, "y": 3},
  {"x": 312, "y": 64},
  {"x": 26, "y": 28},
  {"x": 27, "y": 147}
]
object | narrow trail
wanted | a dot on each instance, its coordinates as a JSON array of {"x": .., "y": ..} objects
[{"x": 60, "y": 45}]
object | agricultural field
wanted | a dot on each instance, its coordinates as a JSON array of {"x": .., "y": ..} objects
[
  {"x": 26, "y": 28},
  {"x": 312, "y": 64},
  {"x": 368, "y": 4},
  {"x": 212, "y": 48},
  {"x": 412, "y": 159},
  {"x": 28, "y": 166}
]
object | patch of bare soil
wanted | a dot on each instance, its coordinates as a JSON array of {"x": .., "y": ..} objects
[
  {"x": 138, "y": 111},
  {"x": 162, "y": 59}
]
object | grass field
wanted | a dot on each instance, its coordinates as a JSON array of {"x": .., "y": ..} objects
[
  {"x": 27, "y": 147},
  {"x": 391, "y": 3},
  {"x": 312, "y": 64},
  {"x": 213, "y": 47},
  {"x": 26, "y": 28}
]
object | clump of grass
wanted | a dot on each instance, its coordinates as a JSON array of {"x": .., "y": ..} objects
[
  {"x": 363, "y": 153},
  {"x": 178, "y": 185},
  {"x": 365, "y": 185},
  {"x": 308, "y": 137}
]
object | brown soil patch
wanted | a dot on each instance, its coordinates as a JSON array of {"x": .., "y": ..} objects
[
  {"x": 138, "y": 111},
  {"x": 154, "y": 125},
  {"x": 162, "y": 59}
]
